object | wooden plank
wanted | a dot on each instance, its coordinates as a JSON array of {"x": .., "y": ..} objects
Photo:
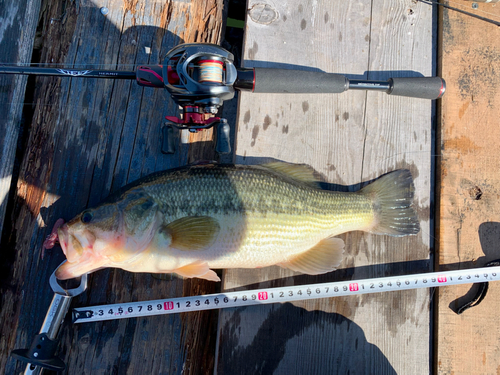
[
  {"x": 349, "y": 138},
  {"x": 88, "y": 138},
  {"x": 18, "y": 21},
  {"x": 468, "y": 181}
]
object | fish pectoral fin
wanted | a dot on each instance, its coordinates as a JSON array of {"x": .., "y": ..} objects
[
  {"x": 199, "y": 270},
  {"x": 299, "y": 172},
  {"x": 193, "y": 232},
  {"x": 324, "y": 257}
]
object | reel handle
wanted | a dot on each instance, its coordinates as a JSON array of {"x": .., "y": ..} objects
[
  {"x": 268, "y": 80},
  {"x": 223, "y": 143}
]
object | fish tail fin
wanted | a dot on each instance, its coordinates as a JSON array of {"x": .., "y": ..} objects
[{"x": 392, "y": 197}]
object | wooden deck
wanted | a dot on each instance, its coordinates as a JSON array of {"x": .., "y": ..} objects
[
  {"x": 83, "y": 139},
  {"x": 349, "y": 138},
  {"x": 468, "y": 231}
]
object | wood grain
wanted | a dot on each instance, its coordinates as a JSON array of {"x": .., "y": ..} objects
[
  {"x": 88, "y": 138},
  {"x": 350, "y": 139},
  {"x": 468, "y": 182},
  {"x": 18, "y": 21}
]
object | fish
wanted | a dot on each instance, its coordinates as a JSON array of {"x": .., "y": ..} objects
[{"x": 194, "y": 219}]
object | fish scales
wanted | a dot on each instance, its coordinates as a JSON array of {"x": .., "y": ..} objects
[
  {"x": 273, "y": 209},
  {"x": 277, "y": 210},
  {"x": 250, "y": 191},
  {"x": 196, "y": 218}
]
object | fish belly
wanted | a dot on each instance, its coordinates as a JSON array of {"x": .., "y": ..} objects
[{"x": 261, "y": 241}]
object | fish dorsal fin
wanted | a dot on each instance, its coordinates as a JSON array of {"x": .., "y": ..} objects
[
  {"x": 324, "y": 257},
  {"x": 197, "y": 269},
  {"x": 300, "y": 172},
  {"x": 193, "y": 233}
]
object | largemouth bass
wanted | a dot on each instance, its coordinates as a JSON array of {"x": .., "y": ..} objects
[{"x": 193, "y": 219}]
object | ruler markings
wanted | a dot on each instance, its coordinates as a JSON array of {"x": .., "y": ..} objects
[{"x": 283, "y": 294}]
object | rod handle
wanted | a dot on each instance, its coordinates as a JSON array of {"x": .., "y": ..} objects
[
  {"x": 418, "y": 87},
  {"x": 268, "y": 80}
]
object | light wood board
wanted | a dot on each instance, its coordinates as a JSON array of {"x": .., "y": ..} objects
[
  {"x": 350, "y": 139},
  {"x": 468, "y": 183}
]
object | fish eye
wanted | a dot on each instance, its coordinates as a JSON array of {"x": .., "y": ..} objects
[
  {"x": 87, "y": 217},
  {"x": 147, "y": 205}
]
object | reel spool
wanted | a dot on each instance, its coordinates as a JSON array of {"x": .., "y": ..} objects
[{"x": 199, "y": 78}]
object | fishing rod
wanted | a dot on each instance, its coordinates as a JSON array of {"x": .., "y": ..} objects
[
  {"x": 201, "y": 76},
  {"x": 41, "y": 353}
]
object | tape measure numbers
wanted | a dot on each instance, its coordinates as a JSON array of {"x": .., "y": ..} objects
[{"x": 283, "y": 294}]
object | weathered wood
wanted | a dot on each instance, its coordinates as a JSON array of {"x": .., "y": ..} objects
[
  {"x": 18, "y": 21},
  {"x": 350, "y": 139},
  {"x": 88, "y": 138},
  {"x": 468, "y": 182}
]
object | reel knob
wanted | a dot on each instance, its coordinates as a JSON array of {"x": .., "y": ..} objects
[
  {"x": 168, "y": 140},
  {"x": 223, "y": 142}
]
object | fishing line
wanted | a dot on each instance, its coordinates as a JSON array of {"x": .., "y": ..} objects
[
  {"x": 476, "y": 10},
  {"x": 283, "y": 294},
  {"x": 211, "y": 71},
  {"x": 463, "y": 6},
  {"x": 432, "y": 2}
]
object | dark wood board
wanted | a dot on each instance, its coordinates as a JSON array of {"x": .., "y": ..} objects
[
  {"x": 18, "y": 23},
  {"x": 88, "y": 138}
]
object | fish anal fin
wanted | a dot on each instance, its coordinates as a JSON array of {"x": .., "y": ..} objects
[
  {"x": 192, "y": 232},
  {"x": 199, "y": 270},
  {"x": 210, "y": 275},
  {"x": 299, "y": 172},
  {"x": 324, "y": 257}
]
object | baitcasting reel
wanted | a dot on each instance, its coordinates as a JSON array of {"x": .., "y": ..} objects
[{"x": 200, "y": 76}]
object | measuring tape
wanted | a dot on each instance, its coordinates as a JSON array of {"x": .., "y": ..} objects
[{"x": 283, "y": 294}]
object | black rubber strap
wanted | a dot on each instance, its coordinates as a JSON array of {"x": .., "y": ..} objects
[{"x": 481, "y": 292}]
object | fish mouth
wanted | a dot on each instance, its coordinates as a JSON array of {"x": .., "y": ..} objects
[
  {"x": 62, "y": 233},
  {"x": 70, "y": 245},
  {"x": 85, "y": 264},
  {"x": 65, "y": 272}
]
